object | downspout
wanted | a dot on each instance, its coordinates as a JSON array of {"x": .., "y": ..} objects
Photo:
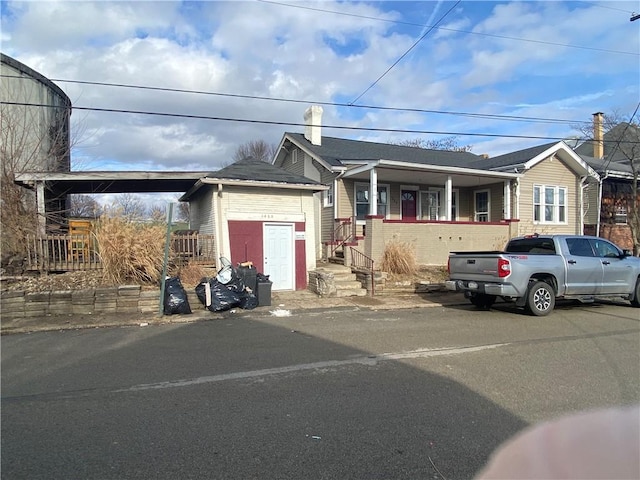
[
  {"x": 600, "y": 183},
  {"x": 517, "y": 194},
  {"x": 219, "y": 222},
  {"x": 582, "y": 187}
]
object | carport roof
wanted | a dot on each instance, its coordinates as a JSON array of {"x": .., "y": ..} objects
[{"x": 61, "y": 183}]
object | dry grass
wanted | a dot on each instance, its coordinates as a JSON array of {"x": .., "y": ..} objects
[
  {"x": 130, "y": 251},
  {"x": 190, "y": 275},
  {"x": 399, "y": 258}
]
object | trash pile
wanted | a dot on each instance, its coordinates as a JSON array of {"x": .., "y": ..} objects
[{"x": 241, "y": 287}]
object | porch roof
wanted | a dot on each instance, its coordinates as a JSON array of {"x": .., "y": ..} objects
[
  {"x": 96, "y": 182},
  {"x": 415, "y": 173}
]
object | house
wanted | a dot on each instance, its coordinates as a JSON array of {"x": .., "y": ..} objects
[
  {"x": 611, "y": 155},
  {"x": 262, "y": 214},
  {"x": 438, "y": 201}
]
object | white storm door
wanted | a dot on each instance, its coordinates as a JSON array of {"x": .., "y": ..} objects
[{"x": 279, "y": 255}]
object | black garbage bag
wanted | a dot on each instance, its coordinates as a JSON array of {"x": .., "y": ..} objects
[
  {"x": 175, "y": 297},
  {"x": 248, "y": 300},
  {"x": 216, "y": 296},
  {"x": 236, "y": 283}
]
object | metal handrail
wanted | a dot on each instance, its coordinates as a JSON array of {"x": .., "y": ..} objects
[
  {"x": 342, "y": 234},
  {"x": 361, "y": 261}
]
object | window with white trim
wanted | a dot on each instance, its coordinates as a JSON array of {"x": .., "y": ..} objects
[
  {"x": 433, "y": 204},
  {"x": 549, "y": 204},
  {"x": 482, "y": 206},
  {"x": 294, "y": 156},
  {"x": 328, "y": 196},
  {"x": 362, "y": 200}
]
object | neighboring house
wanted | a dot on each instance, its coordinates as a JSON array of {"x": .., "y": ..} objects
[
  {"x": 35, "y": 137},
  {"x": 437, "y": 201},
  {"x": 611, "y": 159},
  {"x": 262, "y": 214}
]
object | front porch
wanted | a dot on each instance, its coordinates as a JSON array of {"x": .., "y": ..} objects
[{"x": 432, "y": 240}]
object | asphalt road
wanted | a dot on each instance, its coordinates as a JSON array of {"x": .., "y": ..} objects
[{"x": 421, "y": 393}]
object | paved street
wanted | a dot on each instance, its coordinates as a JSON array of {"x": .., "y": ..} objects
[{"x": 354, "y": 393}]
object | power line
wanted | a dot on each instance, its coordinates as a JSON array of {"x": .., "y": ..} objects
[
  {"x": 491, "y": 35},
  {"x": 291, "y": 124},
  {"x": 429, "y": 30},
  {"x": 487, "y": 116}
]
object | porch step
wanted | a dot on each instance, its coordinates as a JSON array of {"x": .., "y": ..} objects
[{"x": 344, "y": 281}]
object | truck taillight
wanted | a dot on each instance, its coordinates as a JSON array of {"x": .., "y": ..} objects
[
  {"x": 504, "y": 267},
  {"x": 449, "y": 266}
]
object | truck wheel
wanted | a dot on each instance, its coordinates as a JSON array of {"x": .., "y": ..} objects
[
  {"x": 635, "y": 300},
  {"x": 483, "y": 301},
  {"x": 541, "y": 299}
]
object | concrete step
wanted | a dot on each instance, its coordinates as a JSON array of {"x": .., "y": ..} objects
[
  {"x": 351, "y": 292},
  {"x": 348, "y": 284}
]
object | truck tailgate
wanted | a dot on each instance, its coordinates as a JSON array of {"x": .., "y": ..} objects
[{"x": 470, "y": 267}]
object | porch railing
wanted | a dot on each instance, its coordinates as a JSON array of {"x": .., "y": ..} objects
[
  {"x": 72, "y": 252},
  {"x": 345, "y": 232},
  {"x": 360, "y": 261}
]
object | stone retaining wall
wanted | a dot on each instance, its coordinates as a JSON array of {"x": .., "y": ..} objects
[{"x": 125, "y": 299}]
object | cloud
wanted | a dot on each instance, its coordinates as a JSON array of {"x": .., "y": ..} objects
[{"x": 246, "y": 50}]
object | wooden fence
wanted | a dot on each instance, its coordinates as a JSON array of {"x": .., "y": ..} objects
[{"x": 60, "y": 253}]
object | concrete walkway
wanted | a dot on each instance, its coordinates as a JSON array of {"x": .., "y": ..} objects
[{"x": 282, "y": 304}]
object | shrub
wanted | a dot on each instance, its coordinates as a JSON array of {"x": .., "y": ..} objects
[
  {"x": 130, "y": 251},
  {"x": 399, "y": 258}
]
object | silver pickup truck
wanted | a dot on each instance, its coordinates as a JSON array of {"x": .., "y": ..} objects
[{"x": 534, "y": 270}]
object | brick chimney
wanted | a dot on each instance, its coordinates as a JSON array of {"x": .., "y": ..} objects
[
  {"x": 598, "y": 135},
  {"x": 313, "y": 124}
]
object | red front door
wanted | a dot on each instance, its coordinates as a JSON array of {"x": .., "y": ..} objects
[{"x": 409, "y": 204}]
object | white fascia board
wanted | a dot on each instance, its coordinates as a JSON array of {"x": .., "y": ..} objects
[
  {"x": 362, "y": 168},
  {"x": 564, "y": 152},
  {"x": 443, "y": 169},
  {"x": 255, "y": 183},
  {"x": 618, "y": 174},
  {"x": 280, "y": 148},
  {"x": 196, "y": 186}
]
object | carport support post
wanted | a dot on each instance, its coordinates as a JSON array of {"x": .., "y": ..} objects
[{"x": 166, "y": 260}]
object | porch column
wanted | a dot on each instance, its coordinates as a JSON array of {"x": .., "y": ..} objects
[
  {"x": 373, "y": 192},
  {"x": 40, "y": 202},
  {"x": 507, "y": 199},
  {"x": 448, "y": 193}
]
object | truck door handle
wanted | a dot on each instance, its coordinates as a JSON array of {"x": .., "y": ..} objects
[{"x": 571, "y": 262}]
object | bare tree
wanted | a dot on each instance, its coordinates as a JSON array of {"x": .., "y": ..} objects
[
  {"x": 258, "y": 149},
  {"x": 183, "y": 212},
  {"x": 129, "y": 206},
  {"x": 32, "y": 138},
  {"x": 84, "y": 206},
  {"x": 621, "y": 147},
  {"x": 448, "y": 143},
  {"x": 158, "y": 213}
]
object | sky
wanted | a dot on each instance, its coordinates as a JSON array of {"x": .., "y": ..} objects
[{"x": 499, "y": 76}]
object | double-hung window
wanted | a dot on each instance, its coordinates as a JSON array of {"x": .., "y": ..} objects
[
  {"x": 482, "y": 206},
  {"x": 549, "y": 204},
  {"x": 362, "y": 200},
  {"x": 328, "y": 196}
]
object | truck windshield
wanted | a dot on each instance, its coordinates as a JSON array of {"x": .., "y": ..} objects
[{"x": 534, "y": 246}]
